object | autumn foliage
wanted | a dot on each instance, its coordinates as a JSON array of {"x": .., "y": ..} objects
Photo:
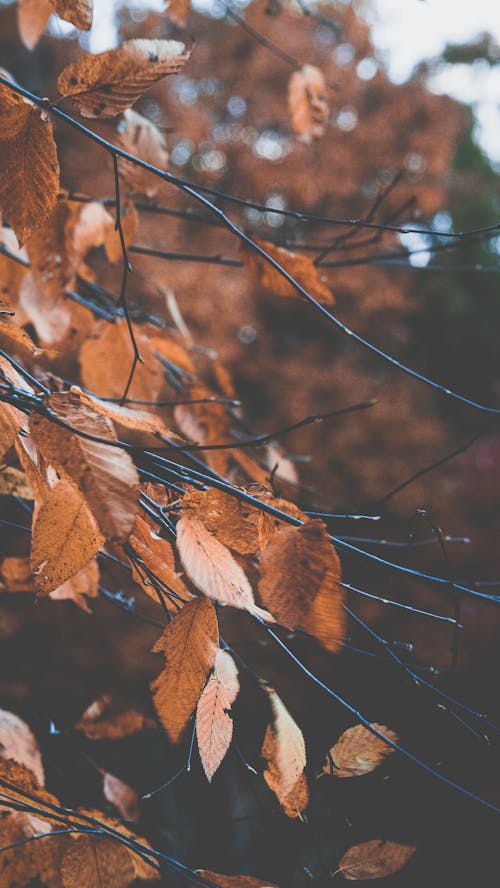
[{"x": 135, "y": 496}]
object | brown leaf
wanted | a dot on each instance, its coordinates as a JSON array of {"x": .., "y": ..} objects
[
  {"x": 51, "y": 253},
  {"x": 32, "y": 18},
  {"x": 374, "y": 860},
  {"x": 105, "y": 84},
  {"x": 78, "y": 12},
  {"x": 14, "y": 482},
  {"x": 122, "y": 796},
  {"x": 211, "y": 567},
  {"x": 235, "y": 881},
  {"x": 16, "y": 575},
  {"x": 11, "y": 420},
  {"x": 97, "y": 863},
  {"x": 127, "y": 418},
  {"x": 50, "y": 317},
  {"x": 17, "y": 742},
  {"x": 307, "y": 103},
  {"x": 214, "y": 725},
  {"x": 65, "y": 537},
  {"x": 29, "y": 170},
  {"x": 189, "y": 644},
  {"x": 140, "y": 137},
  {"x": 358, "y": 751},
  {"x": 105, "y": 474},
  {"x": 285, "y": 752},
  {"x": 90, "y": 228},
  {"x": 158, "y": 556},
  {"x": 205, "y": 423},
  {"x": 177, "y": 11},
  {"x": 107, "y": 719},
  {"x": 129, "y": 224},
  {"x": 294, "y": 566},
  {"x": 106, "y": 358},
  {"x": 234, "y": 523},
  {"x": 299, "y": 267},
  {"x": 84, "y": 583}
]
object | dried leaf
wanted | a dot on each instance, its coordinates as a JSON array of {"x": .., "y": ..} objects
[
  {"x": 91, "y": 228},
  {"x": 136, "y": 420},
  {"x": 214, "y": 725},
  {"x": 50, "y": 317},
  {"x": 307, "y": 103},
  {"x": 206, "y": 423},
  {"x": 97, "y": 863},
  {"x": 299, "y": 267},
  {"x": 235, "y": 881},
  {"x": 358, "y": 751},
  {"x": 106, "y": 358},
  {"x": 211, "y": 567},
  {"x": 105, "y": 84},
  {"x": 65, "y": 537},
  {"x": 285, "y": 752},
  {"x": 122, "y": 796},
  {"x": 84, "y": 583},
  {"x": 16, "y": 575},
  {"x": 189, "y": 644},
  {"x": 177, "y": 11},
  {"x": 294, "y": 566},
  {"x": 29, "y": 171},
  {"x": 14, "y": 482},
  {"x": 374, "y": 860},
  {"x": 17, "y": 742},
  {"x": 157, "y": 555},
  {"x": 140, "y": 137},
  {"x": 32, "y": 18},
  {"x": 107, "y": 719},
  {"x": 233, "y": 522},
  {"x": 11, "y": 420},
  {"x": 78, "y": 12},
  {"x": 105, "y": 474}
]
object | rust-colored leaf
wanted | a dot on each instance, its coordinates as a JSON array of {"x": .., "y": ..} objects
[
  {"x": 140, "y": 137},
  {"x": 358, "y": 751},
  {"x": 234, "y": 523},
  {"x": 78, "y": 12},
  {"x": 17, "y": 742},
  {"x": 106, "y": 358},
  {"x": 285, "y": 752},
  {"x": 83, "y": 585},
  {"x": 299, "y": 267},
  {"x": 104, "y": 473},
  {"x": 127, "y": 418},
  {"x": 157, "y": 555},
  {"x": 105, "y": 84},
  {"x": 211, "y": 567},
  {"x": 177, "y": 11},
  {"x": 29, "y": 170},
  {"x": 189, "y": 644},
  {"x": 214, "y": 725},
  {"x": 294, "y": 566},
  {"x": 122, "y": 796},
  {"x": 205, "y": 423},
  {"x": 374, "y": 860},
  {"x": 109, "y": 719},
  {"x": 14, "y": 482},
  {"x": 16, "y": 574},
  {"x": 307, "y": 103},
  {"x": 65, "y": 537},
  {"x": 97, "y": 863},
  {"x": 32, "y": 18}
]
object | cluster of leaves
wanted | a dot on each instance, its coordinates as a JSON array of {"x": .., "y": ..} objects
[{"x": 197, "y": 514}]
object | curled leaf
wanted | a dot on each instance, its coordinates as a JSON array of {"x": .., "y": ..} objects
[
  {"x": 299, "y": 267},
  {"x": 358, "y": 751},
  {"x": 105, "y": 84},
  {"x": 307, "y": 103},
  {"x": 285, "y": 752}
]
